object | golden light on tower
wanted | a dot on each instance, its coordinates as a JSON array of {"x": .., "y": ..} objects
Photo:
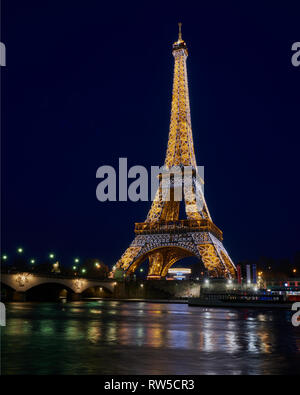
[{"x": 163, "y": 238}]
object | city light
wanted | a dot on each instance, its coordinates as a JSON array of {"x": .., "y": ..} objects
[
  {"x": 83, "y": 270},
  {"x": 97, "y": 265},
  {"x": 20, "y": 250},
  {"x": 32, "y": 261},
  {"x": 294, "y": 270},
  {"x": 206, "y": 281},
  {"x": 76, "y": 260},
  {"x": 51, "y": 255},
  {"x": 141, "y": 270},
  {"x": 142, "y": 285},
  {"x": 4, "y": 257},
  {"x": 74, "y": 267}
]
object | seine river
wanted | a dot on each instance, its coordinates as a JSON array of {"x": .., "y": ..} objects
[{"x": 106, "y": 337}]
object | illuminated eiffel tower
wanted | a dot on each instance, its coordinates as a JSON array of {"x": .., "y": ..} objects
[{"x": 163, "y": 239}]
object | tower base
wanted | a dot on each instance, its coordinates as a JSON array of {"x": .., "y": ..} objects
[{"x": 167, "y": 243}]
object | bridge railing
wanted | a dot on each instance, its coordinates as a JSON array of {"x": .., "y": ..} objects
[{"x": 54, "y": 275}]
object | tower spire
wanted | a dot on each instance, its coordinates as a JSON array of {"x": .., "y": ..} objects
[{"x": 179, "y": 33}]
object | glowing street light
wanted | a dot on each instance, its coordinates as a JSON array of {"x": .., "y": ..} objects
[
  {"x": 20, "y": 250},
  {"x": 141, "y": 270},
  {"x": 74, "y": 267},
  {"x": 97, "y": 265},
  {"x": 32, "y": 261},
  {"x": 83, "y": 270},
  {"x": 51, "y": 255},
  {"x": 294, "y": 270},
  {"x": 76, "y": 260},
  {"x": 4, "y": 257}
]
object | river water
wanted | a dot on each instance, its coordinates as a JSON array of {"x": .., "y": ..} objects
[{"x": 108, "y": 337}]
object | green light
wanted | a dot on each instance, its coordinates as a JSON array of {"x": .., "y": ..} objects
[
  {"x": 20, "y": 250},
  {"x": 51, "y": 256},
  {"x": 32, "y": 261},
  {"x": 74, "y": 267},
  {"x": 141, "y": 270},
  {"x": 83, "y": 270},
  {"x": 4, "y": 257},
  {"x": 76, "y": 260}
]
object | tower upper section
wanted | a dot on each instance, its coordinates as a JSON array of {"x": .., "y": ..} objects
[
  {"x": 180, "y": 151},
  {"x": 180, "y": 45}
]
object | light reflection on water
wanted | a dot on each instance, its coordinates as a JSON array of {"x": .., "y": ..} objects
[{"x": 102, "y": 337}]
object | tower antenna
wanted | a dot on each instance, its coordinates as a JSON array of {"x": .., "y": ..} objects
[{"x": 179, "y": 34}]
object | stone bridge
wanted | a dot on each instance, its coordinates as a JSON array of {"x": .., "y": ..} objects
[{"x": 23, "y": 282}]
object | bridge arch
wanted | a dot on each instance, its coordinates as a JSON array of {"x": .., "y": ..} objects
[
  {"x": 23, "y": 282},
  {"x": 49, "y": 291}
]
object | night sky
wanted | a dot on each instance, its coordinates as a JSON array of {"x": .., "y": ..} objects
[{"x": 88, "y": 82}]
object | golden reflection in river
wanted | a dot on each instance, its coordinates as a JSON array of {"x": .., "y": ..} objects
[
  {"x": 94, "y": 332},
  {"x": 111, "y": 332}
]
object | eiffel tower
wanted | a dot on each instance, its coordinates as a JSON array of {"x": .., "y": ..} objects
[{"x": 163, "y": 239}]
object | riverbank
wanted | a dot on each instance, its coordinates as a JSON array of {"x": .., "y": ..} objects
[
  {"x": 180, "y": 301},
  {"x": 197, "y": 302}
]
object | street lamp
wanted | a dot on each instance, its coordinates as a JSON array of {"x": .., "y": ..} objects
[
  {"x": 97, "y": 265},
  {"x": 4, "y": 257},
  {"x": 20, "y": 250},
  {"x": 51, "y": 255},
  {"x": 294, "y": 270},
  {"x": 74, "y": 267},
  {"x": 83, "y": 270},
  {"x": 76, "y": 260},
  {"x": 141, "y": 270},
  {"x": 32, "y": 261}
]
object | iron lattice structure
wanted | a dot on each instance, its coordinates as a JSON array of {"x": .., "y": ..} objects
[{"x": 163, "y": 239}]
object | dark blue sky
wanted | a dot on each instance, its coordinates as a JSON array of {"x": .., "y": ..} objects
[{"x": 88, "y": 82}]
